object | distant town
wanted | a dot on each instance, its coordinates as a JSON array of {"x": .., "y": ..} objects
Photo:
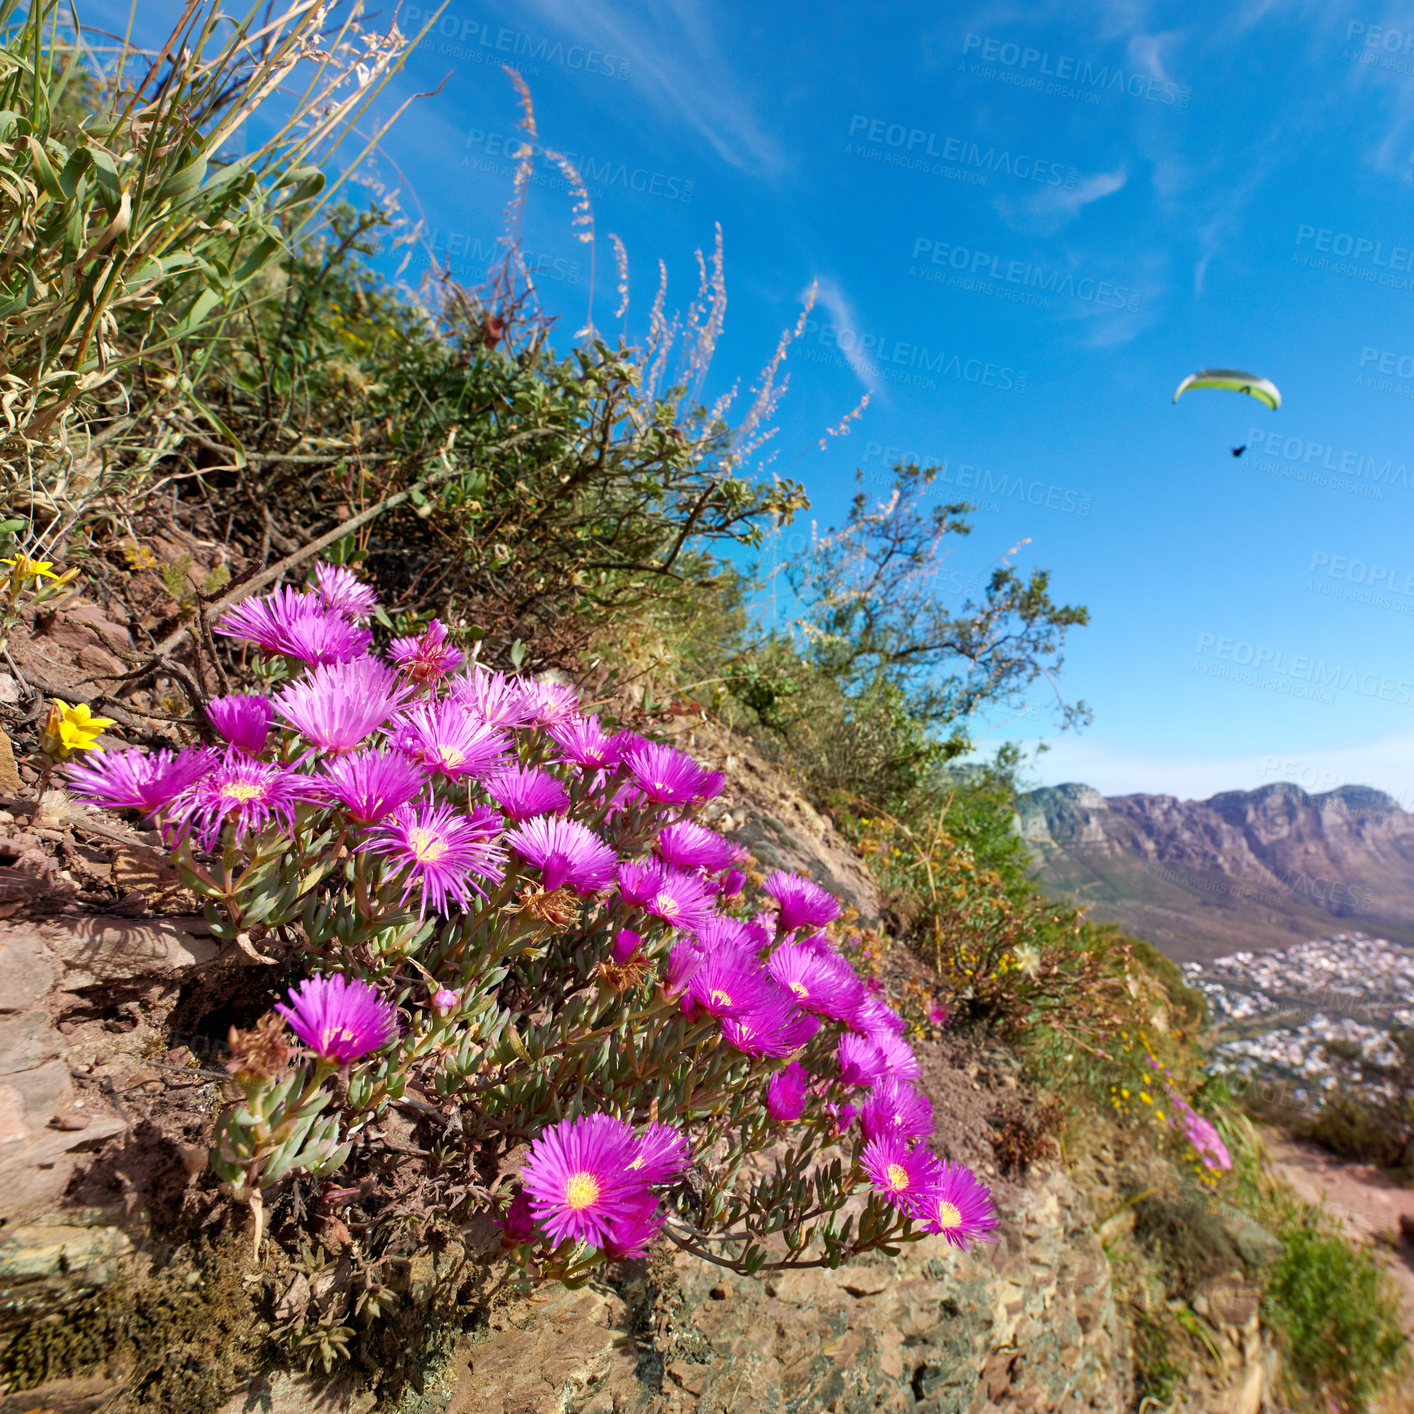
[{"x": 1297, "y": 1019}]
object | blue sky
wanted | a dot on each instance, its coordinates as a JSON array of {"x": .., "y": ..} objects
[{"x": 1027, "y": 224}]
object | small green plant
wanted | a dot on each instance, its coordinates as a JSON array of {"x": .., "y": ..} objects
[{"x": 1338, "y": 1313}]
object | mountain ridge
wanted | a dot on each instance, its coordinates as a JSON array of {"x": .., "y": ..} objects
[{"x": 1240, "y": 869}]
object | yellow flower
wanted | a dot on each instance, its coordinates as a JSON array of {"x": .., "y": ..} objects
[
  {"x": 1143, "y": 1096},
  {"x": 22, "y": 568},
  {"x": 69, "y": 729}
]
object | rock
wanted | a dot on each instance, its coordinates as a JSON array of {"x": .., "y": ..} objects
[
  {"x": 10, "y": 783},
  {"x": 26, "y": 966},
  {"x": 545, "y": 1355},
  {"x": 97, "y": 952},
  {"x": 84, "y": 1396},
  {"x": 1255, "y": 1245},
  {"x": 280, "y": 1393},
  {"x": 87, "y": 1256},
  {"x": 27, "y": 1039},
  {"x": 9, "y": 690}
]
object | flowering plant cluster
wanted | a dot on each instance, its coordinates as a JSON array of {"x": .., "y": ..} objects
[
  {"x": 511, "y": 918},
  {"x": 1204, "y": 1148}
]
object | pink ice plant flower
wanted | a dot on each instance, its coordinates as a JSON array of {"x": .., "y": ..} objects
[
  {"x": 630, "y": 1235},
  {"x": 140, "y": 780},
  {"x": 773, "y": 1027},
  {"x": 337, "y": 705},
  {"x": 662, "y": 1155},
  {"x": 548, "y": 703},
  {"x": 693, "y": 846},
  {"x": 581, "y": 1186},
  {"x": 803, "y": 903},
  {"x": 446, "y": 853},
  {"x": 250, "y": 794},
  {"x": 860, "y": 1061},
  {"x": 297, "y": 625},
  {"x": 681, "y": 900},
  {"x": 896, "y": 1108},
  {"x": 626, "y": 943},
  {"x": 906, "y": 1177},
  {"x": 340, "y": 1019},
  {"x": 446, "y": 738},
  {"x": 491, "y": 697},
  {"x": 565, "y": 852},
  {"x": 523, "y": 792},
  {"x": 727, "y": 984},
  {"x": 665, "y": 775},
  {"x": 956, "y": 1205},
  {"x": 343, "y": 592},
  {"x": 786, "y": 1093},
  {"x": 428, "y": 656},
  {"x": 243, "y": 718},
  {"x": 897, "y": 1056},
  {"x": 819, "y": 982},
  {"x": 585, "y": 743},
  {"x": 368, "y": 785}
]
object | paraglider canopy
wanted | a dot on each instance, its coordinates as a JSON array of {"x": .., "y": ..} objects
[{"x": 1234, "y": 380}]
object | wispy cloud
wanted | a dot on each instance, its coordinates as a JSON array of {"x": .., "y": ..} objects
[
  {"x": 679, "y": 65},
  {"x": 842, "y": 316}
]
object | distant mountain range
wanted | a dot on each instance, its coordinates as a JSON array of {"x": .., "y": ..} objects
[{"x": 1240, "y": 870}]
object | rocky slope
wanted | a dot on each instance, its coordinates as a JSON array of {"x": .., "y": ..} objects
[{"x": 1242, "y": 869}]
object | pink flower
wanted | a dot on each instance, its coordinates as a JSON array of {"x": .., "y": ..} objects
[
  {"x": 956, "y": 1206},
  {"x": 626, "y": 943},
  {"x": 243, "y": 718},
  {"x": 860, "y": 1061},
  {"x": 665, "y": 775},
  {"x": 526, "y": 791},
  {"x": 773, "y": 1027},
  {"x": 802, "y": 902},
  {"x": 445, "y": 854},
  {"x": 629, "y": 1236},
  {"x": 693, "y": 846},
  {"x": 250, "y": 793},
  {"x": 786, "y": 1092},
  {"x": 296, "y": 625},
  {"x": 139, "y": 780},
  {"x": 897, "y": 1055},
  {"x": 342, "y": 592},
  {"x": 662, "y": 1155},
  {"x": 681, "y": 900},
  {"x": 898, "y": 1109},
  {"x": 491, "y": 697},
  {"x": 427, "y": 657},
  {"x": 368, "y": 785},
  {"x": 820, "y": 982},
  {"x": 547, "y": 703},
  {"x": 728, "y": 985},
  {"x": 585, "y": 743},
  {"x": 518, "y": 1225},
  {"x": 446, "y": 738},
  {"x": 579, "y": 1180},
  {"x": 340, "y": 1018},
  {"x": 565, "y": 852},
  {"x": 906, "y": 1178},
  {"x": 337, "y": 705}
]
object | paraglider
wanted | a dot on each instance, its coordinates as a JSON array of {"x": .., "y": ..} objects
[
  {"x": 1238, "y": 451},
  {"x": 1233, "y": 380}
]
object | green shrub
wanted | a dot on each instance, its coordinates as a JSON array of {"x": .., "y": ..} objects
[{"x": 1338, "y": 1313}]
